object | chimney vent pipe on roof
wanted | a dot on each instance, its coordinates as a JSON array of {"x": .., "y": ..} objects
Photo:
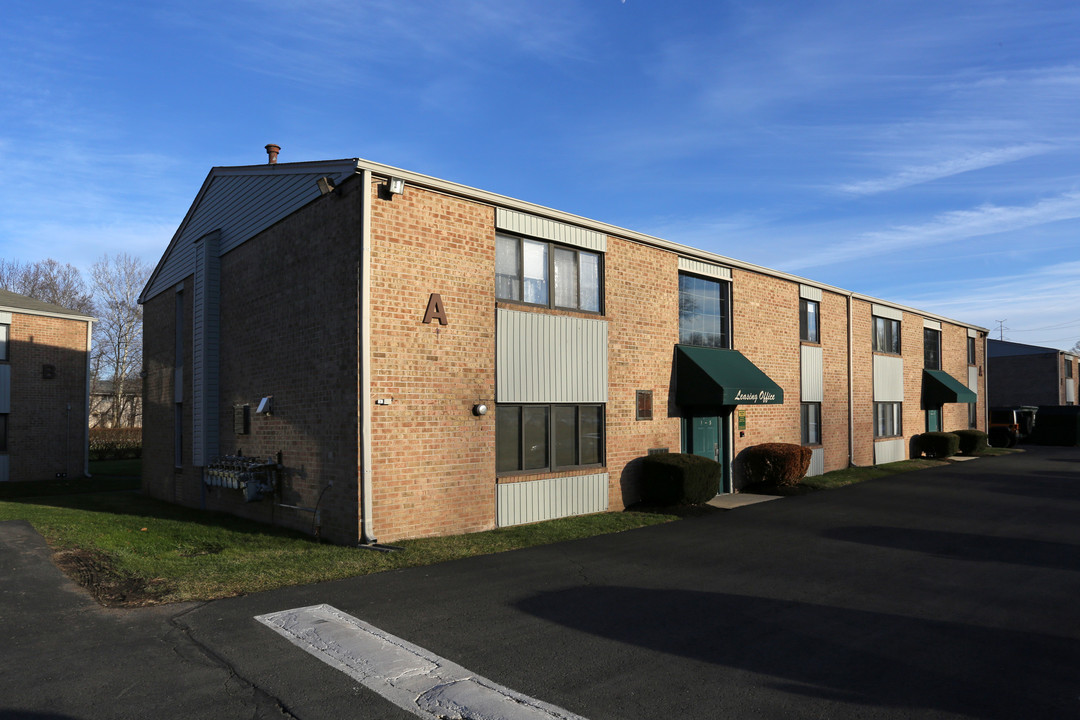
[{"x": 272, "y": 151}]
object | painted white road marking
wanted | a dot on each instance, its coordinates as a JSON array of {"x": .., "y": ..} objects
[{"x": 407, "y": 675}]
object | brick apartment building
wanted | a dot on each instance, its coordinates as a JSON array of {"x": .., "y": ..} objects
[
  {"x": 437, "y": 359},
  {"x": 44, "y": 389},
  {"x": 1031, "y": 375}
]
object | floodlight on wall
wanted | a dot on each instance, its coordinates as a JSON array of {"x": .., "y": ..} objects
[
  {"x": 266, "y": 406},
  {"x": 326, "y": 185},
  {"x": 396, "y": 186}
]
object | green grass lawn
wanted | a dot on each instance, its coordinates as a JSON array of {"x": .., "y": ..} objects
[{"x": 137, "y": 550}]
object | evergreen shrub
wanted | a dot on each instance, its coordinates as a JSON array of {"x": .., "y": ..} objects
[
  {"x": 115, "y": 443},
  {"x": 972, "y": 442},
  {"x": 679, "y": 479},
  {"x": 780, "y": 464},
  {"x": 938, "y": 444}
]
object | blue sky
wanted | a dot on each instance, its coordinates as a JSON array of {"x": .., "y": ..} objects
[{"x": 922, "y": 152}]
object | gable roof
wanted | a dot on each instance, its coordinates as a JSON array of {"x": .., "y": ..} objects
[
  {"x": 14, "y": 302},
  {"x": 240, "y": 202},
  {"x": 239, "y": 211}
]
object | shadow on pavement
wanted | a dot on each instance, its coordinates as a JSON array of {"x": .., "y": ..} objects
[
  {"x": 964, "y": 546},
  {"x": 833, "y": 653}
]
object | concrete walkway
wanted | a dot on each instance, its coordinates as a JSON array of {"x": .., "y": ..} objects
[{"x": 730, "y": 501}]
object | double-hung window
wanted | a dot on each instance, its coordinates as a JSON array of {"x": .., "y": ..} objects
[
  {"x": 971, "y": 350},
  {"x": 542, "y": 438},
  {"x": 542, "y": 273},
  {"x": 811, "y": 423},
  {"x": 931, "y": 349},
  {"x": 888, "y": 419},
  {"x": 809, "y": 328},
  {"x": 704, "y": 312},
  {"x": 886, "y": 335}
]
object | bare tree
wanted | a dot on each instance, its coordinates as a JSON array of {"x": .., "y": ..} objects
[
  {"x": 117, "y": 282},
  {"x": 48, "y": 281}
]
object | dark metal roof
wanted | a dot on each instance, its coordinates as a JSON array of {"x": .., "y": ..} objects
[{"x": 13, "y": 302}]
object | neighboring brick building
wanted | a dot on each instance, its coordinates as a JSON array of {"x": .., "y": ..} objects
[
  {"x": 437, "y": 359},
  {"x": 44, "y": 389},
  {"x": 1031, "y": 375}
]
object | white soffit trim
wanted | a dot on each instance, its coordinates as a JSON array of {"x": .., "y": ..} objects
[
  {"x": 887, "y": 312},
  {"x": 808, "y": 292},
  {"x": 931, "y": 324},
  {"x": 538, "y": 227},
  {"x": 703, "y": 268}
]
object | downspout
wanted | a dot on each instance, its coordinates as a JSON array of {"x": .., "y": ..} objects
[
  {"x": 367, "y": 536},
  {"x": 851, "y": 380},
  {"x": 86, "y": 407}
]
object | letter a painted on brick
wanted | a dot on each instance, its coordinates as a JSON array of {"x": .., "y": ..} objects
[{"x": 435, "y": 310}]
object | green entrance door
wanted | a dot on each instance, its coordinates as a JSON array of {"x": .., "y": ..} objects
[
  {"x": 705, "y": 437},
  {"x": 933, "y": 419}
]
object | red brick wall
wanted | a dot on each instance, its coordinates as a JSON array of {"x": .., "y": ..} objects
[
  {"x": 835, "y": 428},
  {"x": 863, "y": 372},
  {"x": 47, "y": 422},
  {"x": 765, "y": 328},
  {"x": 642, "y": 308},
  {"x": 161, "y": 479},
  {"x": 288, "y": 329},
  {"x": 433, "y": 460}
]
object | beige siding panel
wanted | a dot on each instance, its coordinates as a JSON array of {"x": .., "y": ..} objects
[
  {"x": 698, "y": 267},
  {"x": 973, "y": 333},
  {"x": 809, "y": 292},
  {"x": 817, "y": 462},
  {"x": 973, "y": 379},
  {"x": 931, "y": 324},
  {"x": 887, "y": 451},
  {"x": 538, "y": 227},
  {"x": 1070, "y": 390},
  {"x": 813, "y": 374},
  {"x": 888, "y": 378},
  {"x": 550, "y": 498},
  {"x": 543, "y": 358},
  {"x": 206, "y": 333},
  {"x": 5, "y": 473},
  {"x": 5, "y": 318},
  {"x": 887, "y": 312},
  {"x": 5, "y": 389}
]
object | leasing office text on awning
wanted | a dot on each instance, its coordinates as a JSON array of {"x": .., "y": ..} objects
[
  {"x": 714, "y": 376},
  {"x": 939, "y": 387}
]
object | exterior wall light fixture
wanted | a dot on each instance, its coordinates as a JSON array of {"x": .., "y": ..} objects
[
  {"x": 396, "y": 186},
  {"x": 479, "y": 409}
]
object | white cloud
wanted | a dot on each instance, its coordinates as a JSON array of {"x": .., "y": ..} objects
[
  {"x": 1039, "y": 306},
  {"x": 946, "y": 228},
  {"x": 966, "y": 162}
]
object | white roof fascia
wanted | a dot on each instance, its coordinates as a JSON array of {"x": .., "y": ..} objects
[{"x": 451, "y": 188}]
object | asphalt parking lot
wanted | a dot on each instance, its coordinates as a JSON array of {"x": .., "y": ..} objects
[{"x": 944, "y": 593}]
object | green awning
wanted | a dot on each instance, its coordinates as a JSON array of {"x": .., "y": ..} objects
[
  {"x": 939, "y": 387},
  {"x": 713, "y": 376}
]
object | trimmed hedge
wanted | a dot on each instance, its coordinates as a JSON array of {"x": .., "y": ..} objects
[
  {"x": 972, "y": 442},
  {"x": 780, "y": 464},
  {"x": 679, "y": 479},
  {"x": 938, "y": 444},
  {"x": 115, "y": 443}
]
